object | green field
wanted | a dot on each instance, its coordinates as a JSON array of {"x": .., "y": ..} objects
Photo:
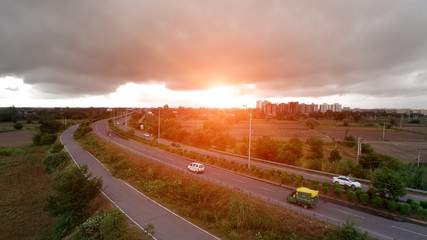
[{"x": 23, "y": 190}]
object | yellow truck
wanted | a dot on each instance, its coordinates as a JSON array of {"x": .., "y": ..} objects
[{"x": 304, "y": 196}]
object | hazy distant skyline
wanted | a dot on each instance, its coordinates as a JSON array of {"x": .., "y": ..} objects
[{"x": 366, "y": 54}]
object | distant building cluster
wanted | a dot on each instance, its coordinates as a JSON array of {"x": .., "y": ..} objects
[{"x": 295, "y": 107}]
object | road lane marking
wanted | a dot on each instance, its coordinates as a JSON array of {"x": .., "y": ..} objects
[
  {"x": 267, "y": 189},
  {"x": 351, "y": 214},
  {"x": 237, "y": 180},
  {"x": 409, "y": 231}
]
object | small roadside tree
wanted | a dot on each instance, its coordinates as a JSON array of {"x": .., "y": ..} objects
[
  {"x": 334, "y": 155},
  {"x": 388, "y": 183},
  {"x": 316, "y": 147}
]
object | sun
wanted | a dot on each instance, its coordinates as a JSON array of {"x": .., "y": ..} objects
[{"x": 219, "y": 96}]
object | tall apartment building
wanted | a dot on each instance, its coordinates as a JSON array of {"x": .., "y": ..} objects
[{"x": 295, "y": 107}]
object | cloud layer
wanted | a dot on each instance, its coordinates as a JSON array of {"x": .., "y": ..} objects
[{"x": 285, "y": 48}]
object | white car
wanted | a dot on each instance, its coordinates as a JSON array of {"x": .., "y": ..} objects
[
  {"x": 196, "y": 167},
  {"x": 344, "y": 180},
  {"x": 146, "y": 135}
]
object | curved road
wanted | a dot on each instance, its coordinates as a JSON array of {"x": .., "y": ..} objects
[
  {"x": 139, "y": 208},
  {"x": 378, "y": 227}
]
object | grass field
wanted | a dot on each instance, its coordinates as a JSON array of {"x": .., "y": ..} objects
[
  {"x": 23, "y": 190},
  {"x": 8, "y": 126}
]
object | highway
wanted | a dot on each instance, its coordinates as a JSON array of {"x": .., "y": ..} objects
[
  {"x": 263, "y": 165},
  {"x": 139, "y": 208},
  {"x": 378, "y": 227}
]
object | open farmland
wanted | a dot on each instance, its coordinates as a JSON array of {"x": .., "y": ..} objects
[
  {"x": 279, "y": 130},
  {"x": 16, "y": 138},
  {"x": 400, "y": 143}
]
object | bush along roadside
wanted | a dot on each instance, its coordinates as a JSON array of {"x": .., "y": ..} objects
[
  {"x": 225, "y": 213},
  {"x": 282, "y": 177}
]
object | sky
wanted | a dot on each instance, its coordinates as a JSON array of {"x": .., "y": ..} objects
[{"x": 201, "y": 53}]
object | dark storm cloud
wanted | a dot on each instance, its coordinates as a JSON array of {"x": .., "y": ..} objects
[{"x": 286, "y": 48}]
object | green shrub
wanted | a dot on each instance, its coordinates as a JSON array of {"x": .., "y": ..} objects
[
  {"x": 346, "y": 187},
  {"x": 358, "y": 192},
  {"x": 104, "y": 225},
  {"x": 18, "y": 126},
  {"x": 350, "y": 195},
  {"x": 405, "y": 208},
  {"x": 325, "y": 189},
  {"x": 335, "y": 186},
  {"x": 422, "y": 211},
  {"x": 371, "y": 192},
  {"x": 326, "y": 184},
  {"x": 52, "y": 161},
  {"x": 377, "y": 202},
  {"x": 41, "y": 139},
  {"x": 304, "y": 183},
  {"x": 285, "y": 179},
  {"x": 300, "y": 177},
  {"x": 391, "y": 205},
  {"x": 348, "y": 231},
  {"x": 364, "y": 198},
  {"x": 423, "y": 204},
  {"x": 338, "y": 191},
  {"x": 57, "y": 147},
  {"x": 414, "y": 206},
  {"x": 315, "y": 182},
  {"x": 409, "y": 200}
]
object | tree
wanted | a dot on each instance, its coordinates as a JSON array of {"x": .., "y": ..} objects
[
  {"x": 74, "y": 188},
  {"x": 266, "y": 148},
  {"x": 316, "y": 147},
  {"x": 50, "y": 126},
  {"x": 388, "y": 183},
  {"x": 291, "y": 151},
  {"x": 334, "y": 155},
  {"x": 311, "y": 123}
]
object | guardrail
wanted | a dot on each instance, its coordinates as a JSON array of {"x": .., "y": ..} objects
[{"x": 304, "y": 169}]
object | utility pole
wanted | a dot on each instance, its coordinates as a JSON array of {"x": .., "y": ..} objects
[
  {"x": 359, "y": 149},
  {"x": 384, "y": 130},
  {"x": 158, "y": 130},
  {"x": 419, "y": 156}
]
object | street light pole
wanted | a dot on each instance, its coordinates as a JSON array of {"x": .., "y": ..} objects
[
  {"x": 359, "y": 149},
  {"x": 250, "y": 134}
]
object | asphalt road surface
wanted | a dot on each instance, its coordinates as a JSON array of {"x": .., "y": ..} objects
[
  {"x": 140, "y": 209},
  {"x": 378, "y": 227}
]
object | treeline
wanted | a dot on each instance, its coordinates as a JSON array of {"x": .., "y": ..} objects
[{"x": 13, "y": 114}]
